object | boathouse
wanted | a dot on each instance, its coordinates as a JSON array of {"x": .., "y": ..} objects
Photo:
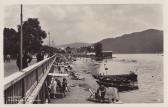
[{"x": 107, "y": 54}]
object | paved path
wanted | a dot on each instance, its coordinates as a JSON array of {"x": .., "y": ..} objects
[{"x": 10, "y": 68}]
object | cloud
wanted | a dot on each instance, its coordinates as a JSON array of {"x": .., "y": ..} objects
[{"x": 88, "y": 23}]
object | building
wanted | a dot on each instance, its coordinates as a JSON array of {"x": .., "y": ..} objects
[
  {"x": 107, "y": 54},
  {"x": 91, "y": 54}
]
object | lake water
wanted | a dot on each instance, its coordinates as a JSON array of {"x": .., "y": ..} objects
[{"x": 148, "y": 67}]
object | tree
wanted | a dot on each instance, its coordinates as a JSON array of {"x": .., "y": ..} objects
[
  {"x": 68, "y": 49},
  {"x": 90, "y": 49},
  {"x": 48, "y": 49},
  {"x": 32, "y": 35},
  {"x": 32, "y": 38},
  {"x": 98, "y": 49},
  {"x": 10, "y": 42}
]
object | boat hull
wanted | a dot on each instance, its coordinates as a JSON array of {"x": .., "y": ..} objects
[
  {"x": 117, "y": 78},
  {"x": 121, "y": 87}
]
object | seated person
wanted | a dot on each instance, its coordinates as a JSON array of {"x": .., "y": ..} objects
[{"x": 101, "y": 91}]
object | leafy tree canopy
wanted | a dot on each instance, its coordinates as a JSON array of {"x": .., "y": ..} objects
[
  {"x": 32, "y": 35},
  {"x": 98, "y": 49}
]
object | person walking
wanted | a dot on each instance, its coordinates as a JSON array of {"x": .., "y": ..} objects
[{"x": 53, "y": 87}]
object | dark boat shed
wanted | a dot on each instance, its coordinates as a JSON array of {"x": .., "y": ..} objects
[{"x": 107, "y": 54}]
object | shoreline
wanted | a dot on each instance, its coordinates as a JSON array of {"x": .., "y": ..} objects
[{"x": 79, "y": 91}]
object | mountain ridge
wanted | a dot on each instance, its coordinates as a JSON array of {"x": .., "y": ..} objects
[{"x": 147, "y": 41}]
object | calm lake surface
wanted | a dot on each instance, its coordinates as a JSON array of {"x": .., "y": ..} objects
[{"x": 148, "y": 67}]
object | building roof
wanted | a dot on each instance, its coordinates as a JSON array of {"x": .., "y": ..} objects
[{"x": 107, "y": 51}]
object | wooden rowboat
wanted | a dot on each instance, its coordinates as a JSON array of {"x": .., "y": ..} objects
[
  {"x": 131, "y": 77},
  {"x": 120, "y": 86}
]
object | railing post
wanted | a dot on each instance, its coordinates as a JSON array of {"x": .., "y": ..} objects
[
  {"x": 23, "y": 90},
  {"x": 43, "y": 68},
  {"x": 37, "y": 75}
]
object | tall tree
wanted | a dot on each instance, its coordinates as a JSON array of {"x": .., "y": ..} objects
[
  {"x": 10, "y": 41},
  {"x": 90, "y": 49},
  {"x": 98, "y": 49},
  {"x": 32, "y": 35},
  {"x": 68, "y": 49}
]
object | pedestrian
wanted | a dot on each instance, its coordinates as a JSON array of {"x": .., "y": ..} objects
[
  {"x": 59, "y": 69},
  {"x": 8, "y": 57},
  {"x": 59, "y": 87},
  {"x": 53, "y": 88},
  {"x": 40, "y": 56},
  {"x": 64, "y": 86}
]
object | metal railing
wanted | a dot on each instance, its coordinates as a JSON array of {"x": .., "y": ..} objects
[{"x": 18, "y": 87}]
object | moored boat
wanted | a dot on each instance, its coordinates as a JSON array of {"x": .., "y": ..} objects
[
  {"x": 123, "y": 82},
  {"x": 131, "y": 77},
  {"x": 120, "y": 86}
]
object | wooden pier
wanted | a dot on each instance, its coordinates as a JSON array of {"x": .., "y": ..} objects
[{"x": 28, "y": 86}]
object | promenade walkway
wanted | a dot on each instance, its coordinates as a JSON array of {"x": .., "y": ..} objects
[{"x": 10, "y": 68}]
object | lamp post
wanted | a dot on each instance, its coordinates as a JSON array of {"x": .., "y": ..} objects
[
  {"x": 52, "y": 46},
  {"x": 21, "y": 39},
  {"x": 49, "y": 38},
  {"x": 106, "y": 69}
]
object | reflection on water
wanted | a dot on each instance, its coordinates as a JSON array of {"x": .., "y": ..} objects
[{"x": 148, "y": 67}]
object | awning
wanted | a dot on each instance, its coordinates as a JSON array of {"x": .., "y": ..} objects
[{"x": 58, "y": 75}]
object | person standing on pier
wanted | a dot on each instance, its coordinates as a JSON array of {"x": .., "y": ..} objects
[{"x": 40, "y": 56}]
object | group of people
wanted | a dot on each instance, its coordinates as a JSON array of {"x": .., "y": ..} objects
[
  {"x": 26, "y": 59},
  {"x": 7, "y": 58},
  {"x": 56, "y": 87}
]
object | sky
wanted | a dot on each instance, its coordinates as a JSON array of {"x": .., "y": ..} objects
[{"x": 87, "y": 23}]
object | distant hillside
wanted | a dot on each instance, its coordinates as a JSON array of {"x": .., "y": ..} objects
[
  {"x": 148, "y": 41},
  {"x": 74, "y": 45}
]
